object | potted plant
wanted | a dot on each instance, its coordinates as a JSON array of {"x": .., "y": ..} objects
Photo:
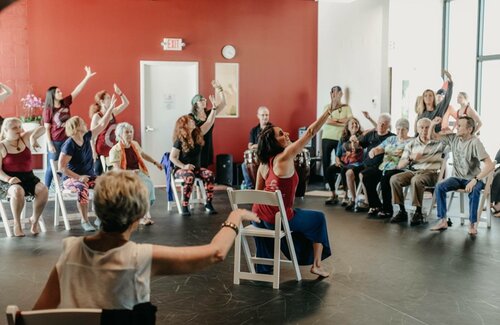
[{"x": 32, "y": 106}]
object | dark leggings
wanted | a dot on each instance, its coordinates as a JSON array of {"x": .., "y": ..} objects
[
  {"x": 327, "y": 146},
  {"x": 385, "y": 186},
  {"x": 495, "y": 187},
  {"x": 188, "y": 177}
]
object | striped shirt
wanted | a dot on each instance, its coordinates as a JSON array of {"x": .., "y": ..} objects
[{"x": 432, "y": 154}]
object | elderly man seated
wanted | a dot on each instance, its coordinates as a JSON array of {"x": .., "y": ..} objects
[
  {"x": 468, "y": 152},
  {"x": 422, "y": 160}
]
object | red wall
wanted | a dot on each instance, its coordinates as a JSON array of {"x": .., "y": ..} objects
[{"x": 276, "y": 42}]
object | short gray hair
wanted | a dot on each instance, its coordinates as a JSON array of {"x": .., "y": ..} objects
[
  {"x": 261, "y": 108},
  {"x": 403, "y": 123},
  {"x": 120, "y": 198},
  {"x": 424, "y": 120},
  {"x": 386, "y": 117},
  {"x": 121, "y": 127}
]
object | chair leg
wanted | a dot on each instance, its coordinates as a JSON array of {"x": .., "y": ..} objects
[
  {"x": 462, "y": 209},
  {"x": 41, "y": 222},
  {"x": 176, "y": 195},
  {"x": 56, "y": 211},
  {"x": 293, "y": 255},
  {"x": 5, "y": 220},
  {"x": 237, "y": 259},
  {"x": 276, "y": 263},
  {"x": 63, "y": 210}
]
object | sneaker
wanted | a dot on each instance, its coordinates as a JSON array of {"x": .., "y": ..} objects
[
  {"x": 417, "y": 219},
  {"x": 146, "y": 221},
  {"x": 334, "y": 200},
  {"x": 185, "y": 211},
  {"x": 345, "y": 202},
  {"x": 349, "y": 206},
  {"x": 87, "y": 226},
  {"x": 373, "y": 212},
  {"x": 209, "y": 208},
  {"x": 361, "y": 207},
  {"x": 402, "y": 216},
  {"x": 97, "y": 223},
  {"x": 384, "y": 215}
]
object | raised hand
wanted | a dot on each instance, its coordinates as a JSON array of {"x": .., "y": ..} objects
[
  {"x": 447, "y": 74},
  {"x": 216, "y": 84},
  {"x": 366, "y": 115},
  {"x": 112, "y": 102},
  {"x": 88, "y": 72},
  {"x": 117, "y": 90},
  {"x": 212, "y": 100},
  {"x": 437, "y": 120}
]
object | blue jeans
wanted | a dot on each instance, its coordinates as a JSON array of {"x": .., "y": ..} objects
[
  {"x": 53, "y": 156},
  {"x": 248, "y": 180},
  {"x": 455, "y": 183}
]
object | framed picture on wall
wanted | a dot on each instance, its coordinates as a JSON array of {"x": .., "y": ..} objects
[{"x": 227, "y": 74}]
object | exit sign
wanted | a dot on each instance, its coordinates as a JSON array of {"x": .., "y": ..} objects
[{"x": 172, "y": 44}]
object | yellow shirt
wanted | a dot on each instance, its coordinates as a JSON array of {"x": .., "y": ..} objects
[{"x": 335, "y": 132}]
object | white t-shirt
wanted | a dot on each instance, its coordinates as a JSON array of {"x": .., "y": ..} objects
[{"x": 116, "y": 279}]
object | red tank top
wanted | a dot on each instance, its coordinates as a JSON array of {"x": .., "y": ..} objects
[
  {"x": 106, "y": 139},
  {"x": 287, "y": 186},
  {"x": 17, "y": 162}
]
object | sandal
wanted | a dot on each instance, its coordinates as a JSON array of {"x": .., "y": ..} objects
[{"x": 495, "y": 212}]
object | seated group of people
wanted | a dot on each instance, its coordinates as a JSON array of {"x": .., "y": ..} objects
[{"x": 396, "y": 161}]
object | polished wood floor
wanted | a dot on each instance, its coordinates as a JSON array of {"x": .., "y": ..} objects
[{"x": 381, "y": 274}]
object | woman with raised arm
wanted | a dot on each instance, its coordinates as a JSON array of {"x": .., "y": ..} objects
[
  {"x": 16, "y": 174},
  {"x": 428, "y": 106},
  {"x": 106, "y": 139},
  {"x": 127, "y": 154},
  {"x": 5, "y": 92},
  {"x": 204, "y": 118},
  {"x": 186, "y": 158},
  {"x": 109, "y": 271},
  {"x": 467, "y": 110},
  {"x": 56, "y": 112},
  {"x": 76, "y": 161},
  {"x": 277, "y": 171}
]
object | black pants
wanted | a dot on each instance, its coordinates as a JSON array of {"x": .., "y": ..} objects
[
  {"x": 327, "y": 146},
  {"x": 333, "y": 170},
  {"x": 371, "y": 177},
  {"x": 495, "y": 187},
  {"x": 385, "y": 186}
]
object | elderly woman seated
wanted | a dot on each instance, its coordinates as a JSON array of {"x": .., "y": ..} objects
[
  {"x": 16, "y": 174},
  {"x": 109, "y": 271},
  {"x": 127, "y": 154}
]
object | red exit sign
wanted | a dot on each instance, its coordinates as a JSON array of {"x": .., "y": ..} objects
[{"x": 172, "y": 44}]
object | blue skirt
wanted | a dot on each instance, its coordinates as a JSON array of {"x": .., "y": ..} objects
[{"x": 308, "y": 227}]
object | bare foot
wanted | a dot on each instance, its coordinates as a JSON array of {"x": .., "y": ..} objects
[
  {"x": 319, "y": 271},
  {"x": 35, "y": 229},
  {"x": 473, "y": 229},
  {"x": 442, "y": 225},
  {"x": 18, "y": 232}
]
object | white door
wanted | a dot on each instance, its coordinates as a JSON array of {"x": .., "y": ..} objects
[{"x": 166, "y": 92}]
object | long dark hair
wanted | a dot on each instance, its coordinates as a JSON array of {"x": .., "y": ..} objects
[
  {"x": 50, "y": 97},
  {"x": 268, "y": 146}
]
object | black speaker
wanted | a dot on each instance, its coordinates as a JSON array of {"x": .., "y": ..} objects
[{"x": 224, "y": 169}]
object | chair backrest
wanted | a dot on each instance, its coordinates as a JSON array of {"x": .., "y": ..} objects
[
  {"x": 237, "y": 197},
  {"x": 75, "y": 316}
]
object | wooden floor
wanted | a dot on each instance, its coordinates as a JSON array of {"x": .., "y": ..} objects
[{"x": 381, "y": 274}]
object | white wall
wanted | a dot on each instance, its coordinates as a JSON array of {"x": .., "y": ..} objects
[
  {"x": 415, "y": 34},
  {"x": 352, "y": 53},
  {"x": 358, "y": 42}
]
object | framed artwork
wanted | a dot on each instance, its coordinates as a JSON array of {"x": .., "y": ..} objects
[{"x": 227, "y": 74}]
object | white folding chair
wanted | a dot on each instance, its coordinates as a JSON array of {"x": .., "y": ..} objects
[
  {"x": 281, "y": 230},
  {"x": 198, "y": 195},
  {"x": 63, "y": 195},
  {"x": 6, "y": 223},
  {"x": 484, "y": 202},
  {"x": 73, "y": 316}
]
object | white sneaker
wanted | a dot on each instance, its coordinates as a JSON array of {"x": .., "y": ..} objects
[
  {"x": 87, "y": 226},
  {"x": 97, "y": 223}
]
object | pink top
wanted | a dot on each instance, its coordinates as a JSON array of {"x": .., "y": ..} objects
[
  {"x": 17, "y": 162},
  {"x": 287, "y": 186}
]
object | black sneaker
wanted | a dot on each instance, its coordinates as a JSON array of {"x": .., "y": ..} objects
[
  {"x": 332, "y": 201},
  {"x": 349, "y": 206},
  {"x": 185, "y": 211},
  {"x": 402, "y": 216},
  {"x": 417, "y": 219},
  {"x": 373, "y": 212},
  {"x": 209, "y": 208}
]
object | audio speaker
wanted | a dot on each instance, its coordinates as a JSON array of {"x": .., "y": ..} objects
[{"x": 224, "y": 169}]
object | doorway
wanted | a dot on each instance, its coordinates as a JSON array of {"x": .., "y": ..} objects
[{"x": 166, "y": 92}]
